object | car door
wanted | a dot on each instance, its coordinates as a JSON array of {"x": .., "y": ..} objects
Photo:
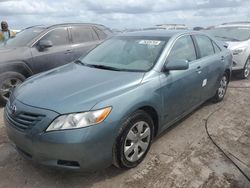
[
  {"x": 181, "y": 89},
  {"x": 84, "y": 39},
  {"x": 60, "y": 53},
  {"x": 212, "y": 65}
]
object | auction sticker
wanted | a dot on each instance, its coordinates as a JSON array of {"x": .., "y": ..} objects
[{"x": 150, "y": 42}]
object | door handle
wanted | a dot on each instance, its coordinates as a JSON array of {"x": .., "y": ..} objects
[
  {"x": 68, "y": 51},
  {"x": 198, "y": 70}
]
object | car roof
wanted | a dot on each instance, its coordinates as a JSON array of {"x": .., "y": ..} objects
[
  {"x": 74, "y": 24},
  {"x": 158, "y": 33},
  {"x": 65, "y": 25}
]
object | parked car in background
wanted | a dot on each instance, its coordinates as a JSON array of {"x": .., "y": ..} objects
[
  {"x": 237, "y": 36},
  {"x": 198, "y": 28},
  {"x": 40, "y": 48},
  {"x": 160, "y": 27},
  {"x": 173, "y": 26},
  {"x": 109, "y": 105}
]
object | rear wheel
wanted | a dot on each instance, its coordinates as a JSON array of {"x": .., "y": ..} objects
[
  {"x": 134, "y": 140},
  {"x": 221, "y": 91},
  {"x": 8, "y": 82},
  {"x": 246, "y": 71}
]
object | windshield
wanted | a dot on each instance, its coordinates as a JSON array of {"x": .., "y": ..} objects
[
  {"x": 126, "y": 53},
  {"x": 24, "y": 37},
  {"x": 231, "y": 33}
]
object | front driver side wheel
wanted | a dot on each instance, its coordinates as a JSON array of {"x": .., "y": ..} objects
[{"x": 134, "y": 140}]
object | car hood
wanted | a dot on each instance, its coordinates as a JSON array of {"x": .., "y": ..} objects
[
  {"x": 10, "y": 54},
  {"x": 235, "y": 44},
  {"x": 75, "y": 88}
]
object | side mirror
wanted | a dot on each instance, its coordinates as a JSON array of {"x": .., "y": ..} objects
[
  {"x": 44, "y": 44},
  {"x": 225, "y": 44},
  {"x": 176, "y": 65}
]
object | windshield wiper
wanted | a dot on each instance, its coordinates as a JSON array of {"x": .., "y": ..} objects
[
  {"x": 104, "y": 67},
  {"x": 97, "y": 66},
  {"x": 78, "y": 61},
  {"x": 228, "y": 38}
]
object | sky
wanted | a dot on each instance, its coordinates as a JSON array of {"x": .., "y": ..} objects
[{"x": 120, "y": 14}]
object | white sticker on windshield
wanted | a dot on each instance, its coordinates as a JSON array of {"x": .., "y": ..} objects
[{"x": 150, "y": 42}]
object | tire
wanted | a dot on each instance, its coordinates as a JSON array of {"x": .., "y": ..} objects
[
  {"x": 221, "y": 91},
  {"x": 246, "y": 71},
  {"x": 130, "y": 139},
  {"x": 8, "y": 81}
]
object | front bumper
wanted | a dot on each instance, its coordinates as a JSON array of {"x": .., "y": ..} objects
[{"x": 87, "y": 148}]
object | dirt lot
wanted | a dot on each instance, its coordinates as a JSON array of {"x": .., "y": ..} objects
[{"x": 183, "y": 156}]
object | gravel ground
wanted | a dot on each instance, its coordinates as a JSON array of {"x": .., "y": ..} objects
[{"x": 183, "y": 156}]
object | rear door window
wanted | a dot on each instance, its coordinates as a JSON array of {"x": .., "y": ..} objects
[
  {"x": 183, "y": 49},
  {"x": 81, "y": 34},
  {"x": 205, "y": 45},
  {"x": 216, "y": 48}
]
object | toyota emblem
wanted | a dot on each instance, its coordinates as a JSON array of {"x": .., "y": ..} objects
[{"x": 13, "y": 109}]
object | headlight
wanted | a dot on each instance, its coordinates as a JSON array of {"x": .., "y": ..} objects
[
  {"x": 239, "y": 50},
  {"x": 79, "y": 120}
]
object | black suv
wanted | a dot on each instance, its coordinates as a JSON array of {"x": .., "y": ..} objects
[{"x": 39, "y": 48}]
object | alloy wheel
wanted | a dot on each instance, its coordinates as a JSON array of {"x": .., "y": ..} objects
[
  {"x": 137, "y": 141},
  {"x": 7, "y": 86},
  {"x": 247, "y": 69},
  {"x": 223, "y": 87}
]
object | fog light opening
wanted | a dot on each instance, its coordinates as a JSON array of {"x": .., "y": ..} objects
[{"x": 74, "y": 164}]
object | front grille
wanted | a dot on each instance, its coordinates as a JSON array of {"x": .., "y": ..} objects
[{"x": 22, "y": 120}]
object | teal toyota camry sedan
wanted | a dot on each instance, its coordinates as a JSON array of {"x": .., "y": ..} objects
[{"x": 108, "y": 106}]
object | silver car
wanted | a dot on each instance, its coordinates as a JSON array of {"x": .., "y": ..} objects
[{"x": 237, "y": 36}]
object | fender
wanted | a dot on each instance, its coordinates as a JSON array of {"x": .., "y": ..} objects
[
  {"x": 16, "y": 66},
  {"x": 122, "y": 107},
  {"x": 143, "y": 104}
]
